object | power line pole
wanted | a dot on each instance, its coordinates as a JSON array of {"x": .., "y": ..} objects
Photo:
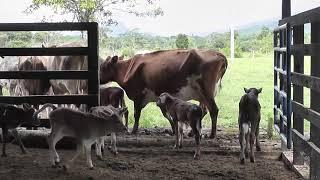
[{"x": 232, "y": 44}]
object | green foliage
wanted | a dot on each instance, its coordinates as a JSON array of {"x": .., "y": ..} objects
[
  {"x": 182, "y": 41},
  {"x": 97, "y": 10},
  {"x": 128, "y": 52}
]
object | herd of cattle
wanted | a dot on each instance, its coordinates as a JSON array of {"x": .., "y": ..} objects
[{"x": 170, "y": 78}]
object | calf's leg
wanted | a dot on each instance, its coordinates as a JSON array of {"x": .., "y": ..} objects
[
  {"x": 76, "y": 155},
  {"x": 252, "y": 139},
  {"x": 4, "y": 140},
  {"x": 87, "y": 146},
  {"x": 176, "y": 125},
  {"x": 98, "y": 145},
  {"x": 53, "y": 138},
  {"x": 258, "y": 147},
  {"x": 114, "y": 144},
  {"x": 197, "y": 137},
  {"x": 17, "y": 137},
  {"x": 243, "y": 146},
  {"x": 180, "y": 134}
]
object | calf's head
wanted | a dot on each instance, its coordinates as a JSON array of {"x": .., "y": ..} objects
[
  {"x": 163, "y": 99},
  {"x": 253, "y": 91},
  {"x": 108, "y": 69},
  {"x": 116, "y": 116}
]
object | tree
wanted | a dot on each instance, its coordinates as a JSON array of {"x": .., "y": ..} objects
[
  {"x": 182, "y": 41},
  {"x": 101, "y": 11}
]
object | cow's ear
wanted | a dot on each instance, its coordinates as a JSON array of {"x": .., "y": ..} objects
[
  {"x": 246, "y": 90},
  {"x": 114, "y": 59},
  {"x": 259, "y": 90}
]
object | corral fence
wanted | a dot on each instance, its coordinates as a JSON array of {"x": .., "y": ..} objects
[
  {"x": 91, "y": 75},
  {"x": 289, "y": 42}
]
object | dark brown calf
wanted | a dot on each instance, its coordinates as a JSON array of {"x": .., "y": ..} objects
[
  {"x": 249, "y": 119},
  {"x": 12, "y": 117},
  {"x": 178, "y": 112},
  {"x": 113, "y": 96}
]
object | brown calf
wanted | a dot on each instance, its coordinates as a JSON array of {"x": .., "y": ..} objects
[
  {"x": 179, "y": 112},
  {"x": 12, "y": 117},
  {"x": 249, "y": 119},
  {"x": 113, "y": 96}
]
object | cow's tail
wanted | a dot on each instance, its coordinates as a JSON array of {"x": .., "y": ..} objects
[
  {"x": 123, "y": 105},
  {"x": 35, "y": 115},
  {"x": 223, "y": 69}
]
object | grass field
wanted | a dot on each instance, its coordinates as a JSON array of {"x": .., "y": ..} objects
[{"x": 244, "y": 72}]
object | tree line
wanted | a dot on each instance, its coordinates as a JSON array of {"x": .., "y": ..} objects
[{"x": 132, "y": 42}]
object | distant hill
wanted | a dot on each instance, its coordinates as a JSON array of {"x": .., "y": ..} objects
[
  {"x": 118, "y": 29},
  {"x": 256, "y": 27}
]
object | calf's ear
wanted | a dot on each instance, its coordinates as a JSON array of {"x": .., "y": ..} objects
[
  {"x": 123, "y": 110},
  {"x": 246, "y": 90},
  {"x": 259, "y": 90}
]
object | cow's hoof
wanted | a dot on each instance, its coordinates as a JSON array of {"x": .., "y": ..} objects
[
  {"x": 24, "y": 152},
  {"x": 180, "y": 146},
  {"x": 212, "y": 136},
  {"x": 100, "y": 158},
  {"x": 175, "y": 147},
  {"x": 258, "y": 148},
  {"x": 252, "y": 159},
  {"x": 190, "y": 134},
  {"x": 4, "y": 155},
  {"x": 91, "y": 168},
  {"x": 65, "y": 168},
  {"x": 196, "y": 157},
  {"x": 241, "y": 161},
  {"x": 114, "y": 152},
  {"x": 246, "y": 154}
]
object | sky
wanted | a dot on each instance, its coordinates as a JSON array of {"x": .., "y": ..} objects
[{"x": 182, "y": 16}]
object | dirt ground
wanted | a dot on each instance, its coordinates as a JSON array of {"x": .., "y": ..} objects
[{"x": 150, "y": 155}]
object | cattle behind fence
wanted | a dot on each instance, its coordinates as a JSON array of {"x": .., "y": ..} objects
[
  {"x": 302, "y": 145},
  {"x": 91, "y": 51}
]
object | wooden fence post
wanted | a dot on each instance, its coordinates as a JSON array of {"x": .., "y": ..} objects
[
  {"x": 315, "y": 104},
  {"x": 298, "y": 38}
]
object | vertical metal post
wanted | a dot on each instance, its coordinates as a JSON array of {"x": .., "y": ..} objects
[{"x": 288, "y": 85}]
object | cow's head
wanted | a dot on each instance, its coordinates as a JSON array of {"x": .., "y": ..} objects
[
  {"x": 108, "y": 69},
  {"x": 253, "y": 91}
]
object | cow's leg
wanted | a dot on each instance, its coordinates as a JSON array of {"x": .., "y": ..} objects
[
  {"x": 243, "y": 146},
  {"x": 137, "y": 112},
  {"x": 258, "y": 147},
  {"x": 213, "y": 109},
  {"x": 17, "y": 137},
  {"x": 4, "y": 140}
]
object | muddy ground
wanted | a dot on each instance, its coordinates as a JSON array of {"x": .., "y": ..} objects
[{"x": 150, "y": 155}]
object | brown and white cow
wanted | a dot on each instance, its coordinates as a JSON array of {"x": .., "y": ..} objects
[
  {"x": 25, "y": 87},
  {"x": 186, "y": 74},
  {"x": 61, "y": 63}
]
